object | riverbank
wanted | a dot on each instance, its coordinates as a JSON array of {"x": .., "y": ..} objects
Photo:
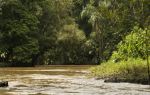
[{"x": 132, "y": 71}]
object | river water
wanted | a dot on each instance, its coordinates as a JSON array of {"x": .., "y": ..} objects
[{"x": 62, "y": 80}]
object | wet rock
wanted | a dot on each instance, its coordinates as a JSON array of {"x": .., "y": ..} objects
[
  {"x": 98, "y": 78},
  {"x": 3, "y": 83},
  {"x": 118, "y": 80}
]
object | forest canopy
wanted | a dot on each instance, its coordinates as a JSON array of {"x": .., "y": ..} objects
[{"x": 63, "y": 32}]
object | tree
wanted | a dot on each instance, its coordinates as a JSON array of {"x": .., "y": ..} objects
[
  {"x": 16, "y": 29},
  {"x": 115, "y": 19},
  {"x": 55, "y": 14},
  {"x": 69, "y": 45}
]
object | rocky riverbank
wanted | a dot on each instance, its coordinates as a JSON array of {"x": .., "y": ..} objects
[{"x": 119, "y": 80}]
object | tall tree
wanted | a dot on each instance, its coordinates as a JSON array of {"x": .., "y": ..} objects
[
  {"x": 16, "y": 39},
  {"x": 115, "y": 19}
]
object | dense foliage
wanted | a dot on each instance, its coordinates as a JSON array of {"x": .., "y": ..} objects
[
  {"x": 135, "y": 45},
  {"x": 36, "y": 32}
]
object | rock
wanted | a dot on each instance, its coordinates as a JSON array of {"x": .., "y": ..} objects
[
  {"x": 118, "y": 80},
  {"x": 3, "y": 83},
  {"x": 115, "y": 80},
  {"x": 112, "y": 80},
  {"x": 98, "y": 78}
]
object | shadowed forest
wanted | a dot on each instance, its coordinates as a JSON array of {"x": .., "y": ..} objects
[{"x": 64, "y": 32}]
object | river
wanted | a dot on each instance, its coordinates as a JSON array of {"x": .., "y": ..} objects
[{"x": 62, "y": 80}]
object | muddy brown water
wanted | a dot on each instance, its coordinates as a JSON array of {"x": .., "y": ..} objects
[{"x": 62, "y": 80}]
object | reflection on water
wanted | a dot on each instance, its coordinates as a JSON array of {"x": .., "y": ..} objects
[{"x": 62, "y": 80}]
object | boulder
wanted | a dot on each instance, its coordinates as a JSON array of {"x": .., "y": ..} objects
[{"x": 3, "y": 83}]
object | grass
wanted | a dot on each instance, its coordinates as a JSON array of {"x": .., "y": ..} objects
[{"x": 132, "y": 69}]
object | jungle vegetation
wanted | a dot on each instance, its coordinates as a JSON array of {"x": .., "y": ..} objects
[{"x": 64, "y": 32}]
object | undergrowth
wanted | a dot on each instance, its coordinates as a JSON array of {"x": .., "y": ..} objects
[{"x": 130, "y": 69}]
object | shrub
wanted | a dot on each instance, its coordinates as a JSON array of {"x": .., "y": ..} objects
[{"x": 134, "y": 45}]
